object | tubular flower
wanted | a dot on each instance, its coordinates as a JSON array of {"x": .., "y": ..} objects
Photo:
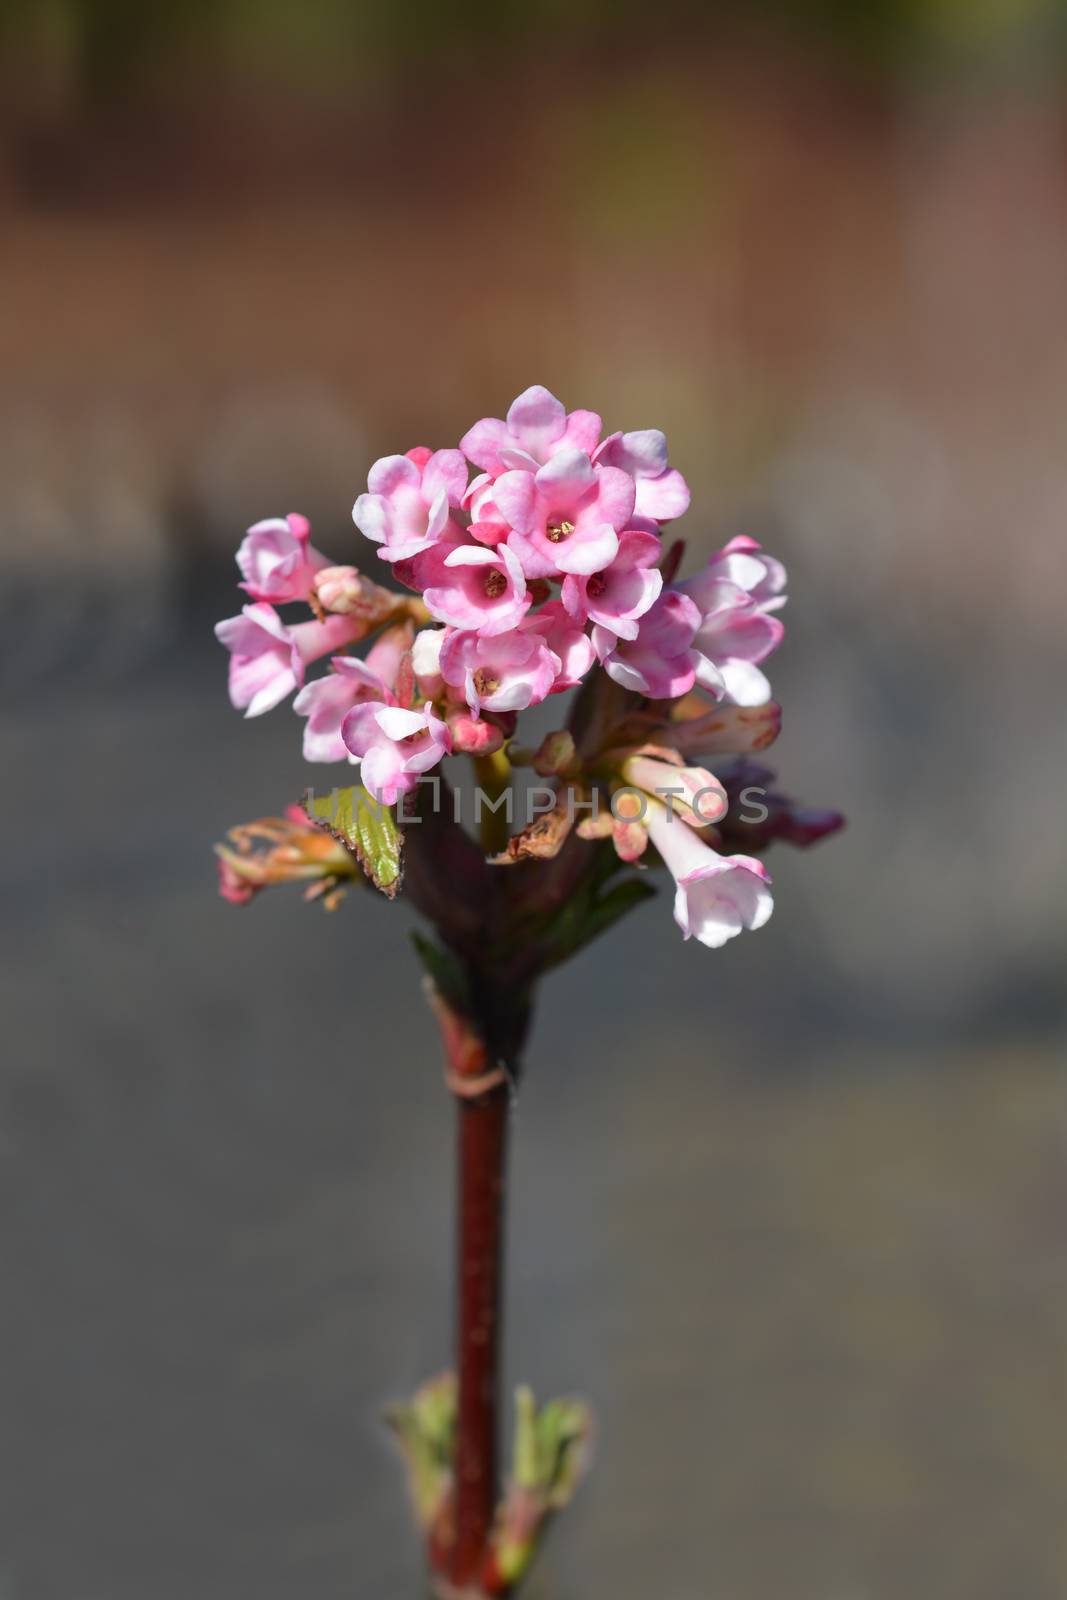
[
  {"x": 479, "y": 587},
  {"x": 394, "y": 746},
  {"x": 349, "y": 683},
  {"x": 268, "y": 657},
  {"x": 660, "y": 661},
  {"x": 737, "y": 593},
  {"x": 276, "y": 560},
  {"x": 696, "y": 795},
  {"x": 715, "y": 896},
  {"x": 408, "y": 500},
  {"x": 500, "y": 673},
  {"x": 662, "y": 492},
  {"x": 615, "y": 598},
  {"x": 567, "y": 516},
  {"x": 536, "y": 428}
]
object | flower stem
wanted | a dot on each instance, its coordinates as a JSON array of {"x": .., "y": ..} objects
[
  {"x": 482, "y": 1038},
  {"x": 481, "y": 1152},
  {"x": 492, "y": 775}
]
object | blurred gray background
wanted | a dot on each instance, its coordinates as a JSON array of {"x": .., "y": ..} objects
[{"x": 790, "y": 1214}]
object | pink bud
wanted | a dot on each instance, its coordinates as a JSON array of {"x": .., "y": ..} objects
[
  {"x": 696, "y": 794},
  {"x": 343, "y": 590},
  {"x": 630, "y": 839},
  {"x": 474, "y": 737}
]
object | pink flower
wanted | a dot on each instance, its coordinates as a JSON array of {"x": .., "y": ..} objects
[
  {"x": 537, "y": 428},
  {"x": 406, "y": 509},
  {"x": 735, "y": 633},
  {"x": 505, "y": 672},
  {"x": 476, "y": 587},
  {"x": 350, "y": 682},
  {"x": 567, "y": 516},
  {"x": 267, "y": 657},
  {"x": 658, "y": 663},
  {"x": 744, "y": 562},
  {"x": 623, "y": 592},
  {"x": 737, "y": 592},
  {"x": 715, "y": 896},
  {"x": 724, "y": 729},
  {"x": 692, "y": 792},
  {"x": 662, "y": 492},
  {"x": 570, "y": 644},
  {"x": 393, "y": 746},
  {"x": 276, "y": 560}
]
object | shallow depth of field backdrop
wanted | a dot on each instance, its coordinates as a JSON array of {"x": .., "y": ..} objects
[{"x": 792, "y": 1214}]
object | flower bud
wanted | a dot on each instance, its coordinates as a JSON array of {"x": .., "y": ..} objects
[
  {"x": 286, "y": 849},
  {"x": 344, "y": 590},
  {"x": 473, "y": 737},
  {"x": 697, "y": 729},
  {"x": 695, "y": 793},
  {"x": 556, "y": 756},
  {"x": 630, "y": 839}
]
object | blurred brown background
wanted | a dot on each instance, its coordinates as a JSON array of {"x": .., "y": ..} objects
[{"x": 792, "y": 1214}]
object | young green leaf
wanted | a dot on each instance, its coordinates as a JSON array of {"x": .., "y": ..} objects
[{"x": 368, "y": 829}]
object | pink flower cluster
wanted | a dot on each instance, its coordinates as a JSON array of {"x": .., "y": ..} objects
[
  {"x": 542, "y": 566},
  {"x": 548, "y": 561}
]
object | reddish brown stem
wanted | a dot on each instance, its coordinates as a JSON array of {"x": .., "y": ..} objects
[
  {"x": 480, "y": 1056},
  {"x": 482, "y": 1150}
]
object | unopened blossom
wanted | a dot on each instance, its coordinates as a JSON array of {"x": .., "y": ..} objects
[
  {"x": 662, "y": 492},
  {"x": 406, "y": 509},
  {"x": 504, "y": 672},
  {"x": 285, "y": 849},
  {"x": 716, "y": 896},
  {"x": 709, "y": 729},
  {"x": 536, "y": 428},
  {"x": 474, "y": 735},
  {"x": 567, "y": 516},
  {"x": 659, "y": 662},
  {"x": 623, "y": 592},
  {"x": 268, "y": 656},
  {"x": 474, "y": 586},
  {"x": 277, "y": 561},
  {"x": 346, "y": 591},
  {"x": 394, "y": 746},
  {"x": 694, "y": 793},
  {"x": 328, "y": 700}
]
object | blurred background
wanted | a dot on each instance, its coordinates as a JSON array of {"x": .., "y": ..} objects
[{"x": 791, "y": 1214}]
